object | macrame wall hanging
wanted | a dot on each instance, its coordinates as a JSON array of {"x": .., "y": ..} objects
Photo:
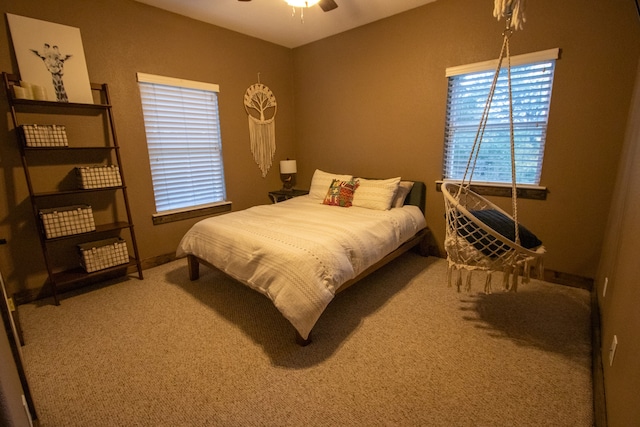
[{"x": 261, "y": 107}]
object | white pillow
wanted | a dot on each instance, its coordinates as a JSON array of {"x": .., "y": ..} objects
[
  {"x": 321, "y": 181},
  {"x": 376, "y": 193},
  {"x": 403, "y": 191}
]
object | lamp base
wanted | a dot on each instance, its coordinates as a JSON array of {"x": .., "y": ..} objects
[{"x": 288, "y": 181}]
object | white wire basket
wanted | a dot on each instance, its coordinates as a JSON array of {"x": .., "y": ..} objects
[{"x": 45, "y": 135}]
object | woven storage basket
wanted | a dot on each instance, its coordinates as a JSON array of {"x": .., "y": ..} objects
[
  {"x": 98, "y": 176},
  {"x": 45, "y": 135},
  {"x": 68, "y": 220},
  {"x": 103, "y": 254}
]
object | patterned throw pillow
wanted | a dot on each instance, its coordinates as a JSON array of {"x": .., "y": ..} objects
[
  {"x": 340, "y": 193},
  {"x": 321, "y": 181}
]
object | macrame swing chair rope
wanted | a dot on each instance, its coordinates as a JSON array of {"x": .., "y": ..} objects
[{"x": 470, "y": 243}]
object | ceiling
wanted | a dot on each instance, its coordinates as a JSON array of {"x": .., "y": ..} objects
[{"x": 275, "y": 21}]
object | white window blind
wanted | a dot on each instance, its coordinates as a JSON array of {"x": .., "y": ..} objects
[
  {"x": 467, "y": 96},
  {"x": 183, "y": 139}
]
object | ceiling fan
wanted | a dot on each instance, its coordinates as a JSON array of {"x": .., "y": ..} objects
[{"x": 325, "y": 5}]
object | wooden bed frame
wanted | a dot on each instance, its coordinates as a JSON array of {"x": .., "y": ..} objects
[{"x": 420, "y": 241}]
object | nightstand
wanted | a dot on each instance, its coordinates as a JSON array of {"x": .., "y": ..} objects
[{"x": 282, "y": 195}]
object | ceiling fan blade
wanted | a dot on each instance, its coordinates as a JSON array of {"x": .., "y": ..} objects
[{"x": 327, "y": 5}]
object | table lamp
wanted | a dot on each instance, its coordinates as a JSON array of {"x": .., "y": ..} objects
[{"x": 288, "y": 170}]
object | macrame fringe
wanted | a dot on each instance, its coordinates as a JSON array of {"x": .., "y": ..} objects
[
  {"x": 512, "y": 9},
  {"x": 514, "y": 278},
  {"x": 467, "y": 285},
  {"x": 512, "y": 275},
  {"x": 263, "y": 142},
  {"x": 506, "y": 273},
  {"x": 540, "y": 267},
  {"x": 487, "y": 283},
  {"x": 526, "y": 274}
]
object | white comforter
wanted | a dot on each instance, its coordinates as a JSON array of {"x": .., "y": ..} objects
[{"x": 299, "y": 252}]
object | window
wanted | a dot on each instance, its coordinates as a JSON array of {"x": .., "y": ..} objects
[
  {"x": 183, "y": 138},
  {"x": 469, "y": 86}
]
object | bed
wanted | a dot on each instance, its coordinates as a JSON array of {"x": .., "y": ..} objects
[{"x": 301, "y": 252}]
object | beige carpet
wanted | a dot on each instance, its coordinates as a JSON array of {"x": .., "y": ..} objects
[{"x": 398, "y": 349}]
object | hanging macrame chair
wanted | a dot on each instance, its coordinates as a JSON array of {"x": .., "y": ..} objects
[{"x": 479, "y": 235}]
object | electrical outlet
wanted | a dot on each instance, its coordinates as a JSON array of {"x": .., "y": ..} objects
[
  {"x": 604, "y": 288},
  {"x": 612, "y": 349}
]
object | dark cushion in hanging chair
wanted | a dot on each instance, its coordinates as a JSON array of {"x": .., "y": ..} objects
[
  {"x": 504, "y": 225},
  {"x": 501, "y": 224}
]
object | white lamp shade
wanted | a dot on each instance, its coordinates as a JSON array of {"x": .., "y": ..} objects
[{"x": 288, "y": 166}]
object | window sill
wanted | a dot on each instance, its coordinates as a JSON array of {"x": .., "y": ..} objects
[
  {"x": 504, "y": 190},
  {"x": 187, "y": 213}
]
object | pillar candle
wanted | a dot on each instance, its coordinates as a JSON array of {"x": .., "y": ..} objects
[
  {"x": 19, "y": 92},
  {"x": 39, "y": 92},
  {"x": 27, "y": 88}
]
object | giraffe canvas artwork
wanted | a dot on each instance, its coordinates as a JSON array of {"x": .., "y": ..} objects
[
  {"x": 51, "y": 55},
  {"x": 54, "y": 61}
]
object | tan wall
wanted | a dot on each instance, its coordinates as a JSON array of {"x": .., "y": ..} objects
[
  {"x": 372, "y": 102},
  {"x": 120, "y": 38},
  {"x": 619, "y": 266}
]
